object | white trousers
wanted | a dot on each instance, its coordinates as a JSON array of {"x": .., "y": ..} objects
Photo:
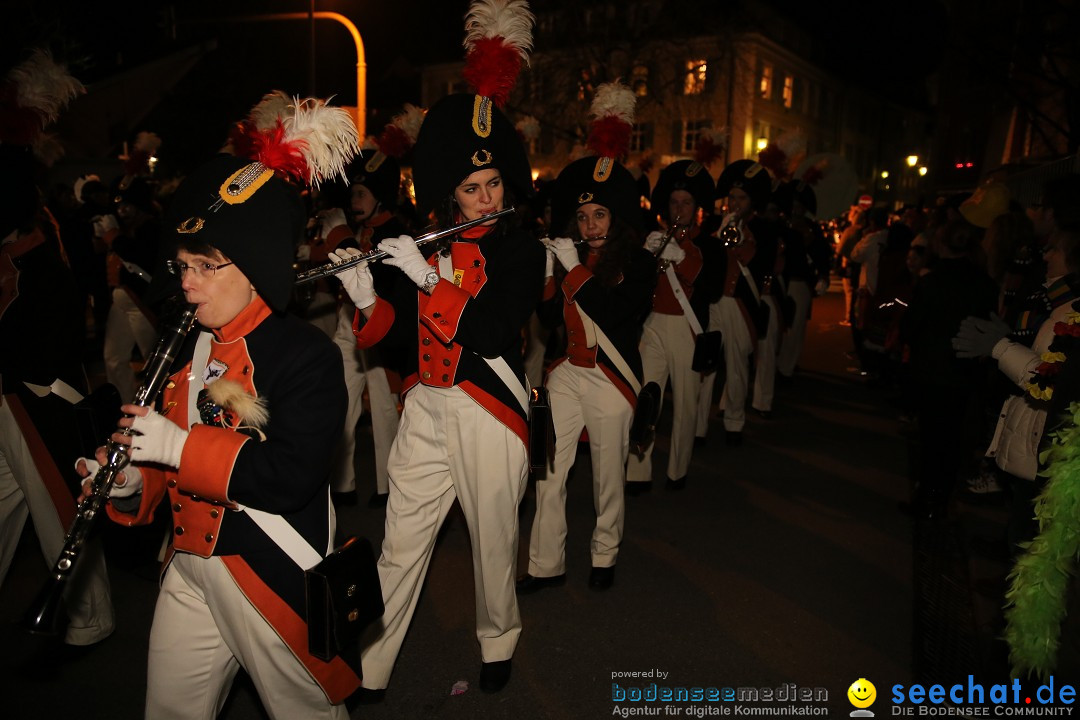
[
  {"x": 726, "y": 317},
  {"x": 384, "y": 410},
  {"x": 792, "y": 344},
  {"x": 23, "y": 493},
  {"x": 204, "y": 630},
  {"x": 449, "y": 447},
  {"x": 125, "y": 327},
  {"x": 768, "y": 346},
  {"x": 667, "y": 351},
  {"x": 323, "y": 312},
  {"x": 582, "y": 398}
]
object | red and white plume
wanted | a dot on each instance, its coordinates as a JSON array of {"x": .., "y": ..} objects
[
  {"x": 312, "y": 144},
  {"x": 400, "y": 134},
  {"x": 274, "y": 106},
  {"x": 498, "y": 39},
  {"x": 612, "y": 113},
  {"x": 781, "y": 156},
  {"x": 710, "y": 145},
  {"x": 32, "y": 95}
]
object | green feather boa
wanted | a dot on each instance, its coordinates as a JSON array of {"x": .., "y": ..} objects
[{"x": 1035, "y": 602}]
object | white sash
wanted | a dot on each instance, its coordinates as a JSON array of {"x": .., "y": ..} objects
[
  {"x": 680, "y": 295},
  {"x": 609, "y": 349}
]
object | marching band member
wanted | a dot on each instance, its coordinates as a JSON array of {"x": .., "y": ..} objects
[
  {"x": 241, "y": 446},
  {"x": 683, "y": 197},
  {"x": 602, "y": 291},
  {"x": 463, "y": 432}
]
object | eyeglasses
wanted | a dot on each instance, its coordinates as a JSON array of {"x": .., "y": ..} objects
[{"x": 201, "y": 270}]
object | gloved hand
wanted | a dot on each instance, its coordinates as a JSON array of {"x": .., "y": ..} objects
[
  {"x": 549, "y": 262},
  {"x": 977, "y": 337},
  {"x": 653, "y": 240},
  {"x": 104, "y": 224},
  {"x": 822, "y": 287},
  {"x": 330, "y": 219},
  {"x": 128, "y": 482},
  {"x": 564, "y": 251},
  {"x": 405, "y": 255},
  {"x": 303, "y": 252},
  {"x": 673, "y": 253},
  {"x": 356, "y": 280},
  {"x": 157, "y": 440}
]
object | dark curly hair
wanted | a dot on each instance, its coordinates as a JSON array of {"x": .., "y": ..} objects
[{"x": 615, "y": 254}]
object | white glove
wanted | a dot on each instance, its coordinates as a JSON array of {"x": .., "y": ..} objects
[
  {"x": 822, "y": 287},
  {"x": 303, "y": 252},
  {"x": 158, "y": 440},
  {"x": 653, "y": 240},
  {"x": 565, "y": 252},
  {"x": 977, "y": 337},
  {"x": 330, "y": 219},
  {"x": 405, "y": 255},
  {"x": 104, "y": 224},
  {"x": 673, "y": 253},
  {"x": 357, "y": 280},
  {"x": 127, "y": 482},
  {"x": 549, "y": 262}
]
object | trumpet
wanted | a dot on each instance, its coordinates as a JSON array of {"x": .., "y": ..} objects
[
  {"x": 731, "y": 236},
  {"x": 45, "y": 616},
  {"x": 663, "y": 264},
  {"x": 328, "y": 269}
]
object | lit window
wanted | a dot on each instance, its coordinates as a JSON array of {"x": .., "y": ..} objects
[
  {"x": 640, "y": 80},
  {"x": 639, "y": 137},
  {"x": 694, "y": 83},
  {"x": 765, "y": 84},
  {"x": 691, "y": 130},
  {"x": 789, "y": 90}
]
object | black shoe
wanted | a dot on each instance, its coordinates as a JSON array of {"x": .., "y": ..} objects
[
  {"x": 675, "y": 484},
  {"x": 494, "y": 675},
  {"x": 344, "y": 498},
  {"x": 378, "y": 500},
  {"x": 733, "y": 438},
  {"x": 527, "y": 583},
  {"x": 364, "y": 696},
  {"x": 601, "y": 578},
  {"x": 638, "y": 488}
]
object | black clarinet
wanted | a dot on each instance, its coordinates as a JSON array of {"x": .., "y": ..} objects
[{"x": 45, "y": 616}]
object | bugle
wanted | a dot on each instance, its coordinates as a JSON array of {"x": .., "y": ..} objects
[
  {"x": 662, "y": 266},
  {"x": 45, "y": 616},
  {"x": 328, "y": 269}
]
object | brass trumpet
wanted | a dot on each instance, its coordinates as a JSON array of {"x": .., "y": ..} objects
[
  {"x": 328, "y": 269},
  {"x": 662, "y": 266}
]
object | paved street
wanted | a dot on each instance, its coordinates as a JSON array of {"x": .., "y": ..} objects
[{"x": 784, "y": 561}]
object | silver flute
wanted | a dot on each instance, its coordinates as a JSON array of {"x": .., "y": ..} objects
[{"x": 328, "y": 269}]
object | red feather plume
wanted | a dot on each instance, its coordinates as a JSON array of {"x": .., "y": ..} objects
[
  {"x": 609, "y": 136},
  {"x": 492, "y": 68},
  {"x": 773, "y": 159},
  {"x": 393, "y": 141},
  {"x": 280, "y": 155},
  {"x": 706, "y": 152}
]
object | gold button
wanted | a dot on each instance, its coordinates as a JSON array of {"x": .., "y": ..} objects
[
  {"x": 445, "y": 378},
  {"x": 446, "y": 362},
  {"x": 426, "y": 341},
  {"x": 573, "y": 344},
  {"x": 214, "y": 513},
  {"x": 426, "y": 374},
  {"x": 571, "y": 332},
  {"x": 176, "y": 507},
  {"x": 426, "y": 357},
  {"x": 209, "y": 537},
  {"x": 179, "y": 530},
  {"x": 172, "y": 482}
]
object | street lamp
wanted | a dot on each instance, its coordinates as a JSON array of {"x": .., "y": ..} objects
[
  {"x": 762, "y": 143},
  {"x": 912, "y": 160},
  {"x": 922, "y": 170},
  {"x": 884, "y": 174}
]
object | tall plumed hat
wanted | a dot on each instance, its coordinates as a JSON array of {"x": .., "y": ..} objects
[
  {"x": 602, "y": 179},
  {"x": 464, "y": 133},
  {"x": 750, "y": 177},
  {"x": 249, "y": 208},
  {"x": 795, "y": 190},
  {"x": 378, "y": 167},
  {"x": 688, "y": 175}
]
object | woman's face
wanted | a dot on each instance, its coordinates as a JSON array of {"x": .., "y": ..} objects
[
  {"x": 593, "y": 224},
  {"x": 480, "y": 194},
  {"x": 362, "y": 202}
]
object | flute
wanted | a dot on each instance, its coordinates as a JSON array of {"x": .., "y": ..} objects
[{"x": 328, "y": 269}]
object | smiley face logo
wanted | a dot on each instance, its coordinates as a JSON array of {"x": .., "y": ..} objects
[{"x": 862, "y": 693}]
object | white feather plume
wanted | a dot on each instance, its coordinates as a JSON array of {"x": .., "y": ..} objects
[
  {"x": 716, "y": 136},
  {"x": 330, "y": 135},
  {"x": 529, "y": 127},
  {"x": 249, "y": 410},
  {"x": 792, "y": 143},
  {"x": 274, "y": 105},
  {"x": 44, "y": 85},
  {"x": 614, "y": 99},
  {"x": 509, "y": 19},
  {"x": 410, "y": 120}
]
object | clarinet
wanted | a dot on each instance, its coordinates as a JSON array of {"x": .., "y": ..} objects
[{"x": 45, "y": 616}]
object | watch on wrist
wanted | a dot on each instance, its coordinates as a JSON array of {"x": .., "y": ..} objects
[{"x": 430, "y": 281}]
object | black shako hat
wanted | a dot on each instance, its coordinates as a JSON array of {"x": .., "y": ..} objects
[
  {"x": 252, "y": 216},
  {"x": 750, "y": 177},
  {"x": 787, "y": 193},
  {"x": 688, "y": 175},
  {"x": 379, "y": 173},
  {"x": 585, "y": 181},
  {"x": 455, "y": 142}
]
